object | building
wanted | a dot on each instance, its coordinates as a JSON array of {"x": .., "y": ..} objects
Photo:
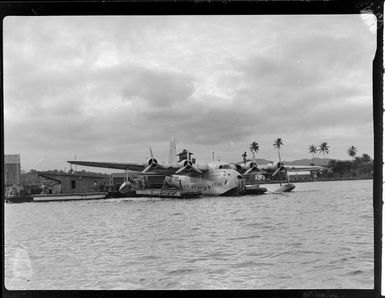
[
  {"x": 300, "y": 176},
  {"x": 12, "y": 169},
  {"x": 79, "y": 182}
]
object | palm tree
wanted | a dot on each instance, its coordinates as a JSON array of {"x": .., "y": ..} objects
[
  {"x": 324, "y": 148},
  {"x": 312, "y": 149},
  {"x": 366, "y": 158},
  {"x": 277, "y": 145},
  {"x": 352, "y": 151},
  {"x": 254, "y": 148}
]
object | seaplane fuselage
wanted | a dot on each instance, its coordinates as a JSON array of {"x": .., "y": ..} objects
[{"x": 219, "y": 179}]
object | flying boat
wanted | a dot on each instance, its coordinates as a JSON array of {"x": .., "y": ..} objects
[{"x": 216, "y": 178}]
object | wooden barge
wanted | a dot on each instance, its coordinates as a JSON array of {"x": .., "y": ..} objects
[{"x": 167, "y": 193}]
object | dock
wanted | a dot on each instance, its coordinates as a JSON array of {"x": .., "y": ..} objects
[
  {"x": 167, "y": 193},
  {"x": 172, "y": 193},
  {"x": 117, "y": 194},
  {"x": 69, "y": 197}
]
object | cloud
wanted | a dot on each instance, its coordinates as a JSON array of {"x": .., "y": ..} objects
[{"x": 110, "y": 87}]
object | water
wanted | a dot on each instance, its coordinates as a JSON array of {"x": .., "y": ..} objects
[{"x": 319, "y": 236}]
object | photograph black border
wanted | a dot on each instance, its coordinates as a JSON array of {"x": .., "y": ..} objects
[{"x": 209, "y": 7}]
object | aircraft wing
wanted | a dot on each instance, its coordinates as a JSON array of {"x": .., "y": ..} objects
[
  {"x": 190, "y": 172},
  {"x": 131, "y": 166},
  {"x": 110, "y": 165},
  {"x": 163, "y": 169},
  {"x": 247, "y": 162}
]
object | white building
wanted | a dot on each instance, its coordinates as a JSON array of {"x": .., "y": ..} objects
[
  {"x": 299, "y": 176},
  {"x": 12, "y": 169}
]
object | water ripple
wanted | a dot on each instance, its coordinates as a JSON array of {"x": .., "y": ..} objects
[{"x": 319, "y": 236}]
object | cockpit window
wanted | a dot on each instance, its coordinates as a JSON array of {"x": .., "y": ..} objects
[{"x": 224, "y": 167}]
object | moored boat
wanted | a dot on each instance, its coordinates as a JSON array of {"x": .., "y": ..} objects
[
  {"x": 254, "y": 189},
  {"x": 285, "y": 188}
]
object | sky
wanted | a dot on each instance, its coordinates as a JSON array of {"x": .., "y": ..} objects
[{"x": 106, "y": 88}]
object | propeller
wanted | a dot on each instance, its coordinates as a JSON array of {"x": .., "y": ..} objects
[
  {"x": 253, "y": 166},
  {"x": 279, "y": 168},
  {"x": 188, "y": 165},
  {"x": 151, "y": 163}
]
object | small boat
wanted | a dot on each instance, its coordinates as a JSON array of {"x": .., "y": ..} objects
[
  {"x": 254, "y": 189},
  {"x": 285, "y": 188},
  {"x": 14, "y": 197}
]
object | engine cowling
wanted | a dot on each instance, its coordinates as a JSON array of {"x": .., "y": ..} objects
[
  {"x": 252, "y": 166},
  {"x": 187, "y": 164},
  {"x": 277, "y": 167},
  {"x": 238, "y": 168},
  {"x": 273, "y": 166},
  {"x": 152, "y": 163}
]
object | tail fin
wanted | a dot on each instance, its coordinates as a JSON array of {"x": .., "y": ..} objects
[{"x": 172, "y": 151}]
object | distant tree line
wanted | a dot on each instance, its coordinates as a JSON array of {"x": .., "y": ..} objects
[{"x": 359, "y": 167}]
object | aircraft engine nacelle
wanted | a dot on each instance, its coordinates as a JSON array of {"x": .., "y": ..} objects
[
  {"x": 244, "y": 166},
  {"x": 152, "y": 162},
  {"x": 237, "y": 167},
  {"x": 187, "y": 164},
  {"x": 274, "y": 167},
  {"x": 247, "y": 168}
]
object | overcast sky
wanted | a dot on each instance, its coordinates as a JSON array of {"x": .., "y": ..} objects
[{"x": 107, "y": 88}]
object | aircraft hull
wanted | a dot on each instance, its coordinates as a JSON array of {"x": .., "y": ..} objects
[{"x": 212, "y": 183}]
